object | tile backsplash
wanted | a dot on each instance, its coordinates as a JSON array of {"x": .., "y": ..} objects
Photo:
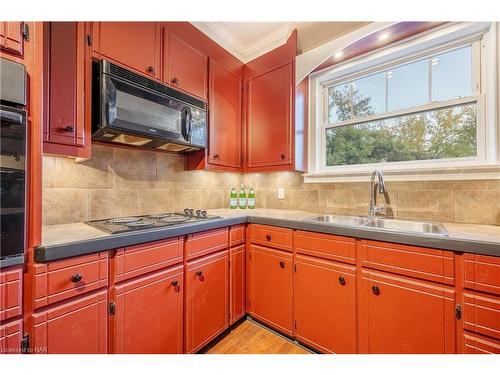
[{"x": 120, "y": 181}]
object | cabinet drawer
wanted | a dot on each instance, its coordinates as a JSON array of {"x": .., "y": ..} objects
[
  {"x": 482, "y": 314},
  {"x": 75, "y": 327},
  {"x": 10, "y": 337},
  {"x": 137, "y": 260},
  {"x": 10, "y": 292},
  {"x": 279, "y": 238},
  {"x": 480, "y": 345},
  {"x": 67, "y": 278},
  {"x": 482, "y": 273},
  {"x": 326, "y": 246},
  {"x": 203, "y": 243},
  {"x": 237, "y": 235},
  {"x": 429, "y": 264}
]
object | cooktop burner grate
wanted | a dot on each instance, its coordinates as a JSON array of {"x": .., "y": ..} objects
[
  {"x": 175, "y": 219},
  {"x": 123, "y": 220},
  {"x": 140, "y": 224},
  {"x": 159, "y": 216}
]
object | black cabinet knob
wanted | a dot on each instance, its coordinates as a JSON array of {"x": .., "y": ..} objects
[
  {"x": 216, "y": 156},
  {"x": 376, "y": 290},
  {"x": 200, "y": 275},
  {"x": 69, "y": 129},
  {"x": 268, "y": 237},
  {"x": 282, "y": 156},
  {"x": 150, "y": 69},
  {"x": 77, "y": 277},
  {"x": 175, "y": 283},
  {"x": 174, "y": 80},
  {"x": 341, "y": 280},
  {"x": 282, "y": 264}
]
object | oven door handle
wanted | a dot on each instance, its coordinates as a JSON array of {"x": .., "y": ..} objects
[{"x": 12, "y": 117}]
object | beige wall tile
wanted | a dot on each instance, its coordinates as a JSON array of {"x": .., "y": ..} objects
[
  {"x": 430, "y": 205},
  {"x": 186, "y": 198},
  {"x": 48, "y": 166},
  {"x": 210, "y": 199},
  {"x": 61, "y": 206},
  {"x": 352, "y": 186},
  {"x": 493, "y": 184},
  {"x": 272, "y": 200},
  {"x": 303, "y": 200},
  {"x": 156, "y": 201},
  {"x": 96, "y": 173},
  {"x": 255, "y": 180},
  {"x": 203, "y": 179},
  {"x": 112, "y": 203},
  {"x": 455, "y": 185},
  {"x": 404, "y": 185},
  {"x": 343, "y": 202},
  {"x": 170, "y": 171},
  {"x": 477, "y": 207},
  {"x": 226, "y": 180},
  {"x": 134, "y": 168}
]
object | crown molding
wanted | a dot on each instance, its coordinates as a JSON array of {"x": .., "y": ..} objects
[{"x": 221, "y": 36}]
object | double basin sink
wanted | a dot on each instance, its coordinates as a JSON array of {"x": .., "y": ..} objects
[{"x": 391, "y": 225}]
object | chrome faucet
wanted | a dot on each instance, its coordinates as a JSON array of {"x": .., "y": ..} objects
[{"x": 374, "y": 187}]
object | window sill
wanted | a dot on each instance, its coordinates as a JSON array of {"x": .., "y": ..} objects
[{"x": 487, "y": 172}]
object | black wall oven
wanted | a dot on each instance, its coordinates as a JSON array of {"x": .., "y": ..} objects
[{"x": 13, "y": 134}]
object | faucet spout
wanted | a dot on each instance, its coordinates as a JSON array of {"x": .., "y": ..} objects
[{"x": 375, "y": 187}]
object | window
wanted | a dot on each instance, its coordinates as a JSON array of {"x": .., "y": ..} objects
[{"x": 417, "y": 110}]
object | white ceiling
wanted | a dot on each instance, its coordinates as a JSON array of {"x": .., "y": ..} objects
[{"x": 249, "y": 40}]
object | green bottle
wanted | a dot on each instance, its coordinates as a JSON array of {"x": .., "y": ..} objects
[
  {"x": 233, "y": 198},
  {"x": 251, "y": 198},
  {"x": 242, "y": 198}
]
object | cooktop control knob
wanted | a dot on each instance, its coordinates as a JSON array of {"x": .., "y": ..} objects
[
  {"x": 203, "y": 213},
  {"x": 191, "y": 212},
  {"x": 198, "y": 213},
  {"x": 186, "y": 211}
]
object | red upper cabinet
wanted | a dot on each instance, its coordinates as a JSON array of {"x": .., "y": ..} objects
[
  {"x": 399, "y": 315},
  {"x": 133, "y": 44},
  {"x": 325, "y": 305},
  {"x": 225, "y": 117},
  {"x": 207, "y": 308},
  {"x": 12, "y": 35},
  {"x": 270, "y": 109},
  {"x": 67, "y": 71},
  {"x": 184, "y": 67},
  {"x": 270, "y": 288},
  {"x": 149, "y": 311}
]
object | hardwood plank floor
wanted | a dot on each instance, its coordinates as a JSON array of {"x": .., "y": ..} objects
[{"x": 251, "y": 338}]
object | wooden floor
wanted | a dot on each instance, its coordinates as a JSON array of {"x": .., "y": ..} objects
[{"x": 251, "y": 338}]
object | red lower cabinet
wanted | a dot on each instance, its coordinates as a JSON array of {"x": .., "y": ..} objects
[
  {"x": 404, "y": 315},
  {"x": 473, "y": 344},
  {"x": 325, "y": 305},
  {"x": 207, "y": 307},
  {"x": 237, "y": 283},
  {"x": 10, "y": 337},
  {"x": 271, "y": 287},
  {"x": 148, "y": 314},
  {"x": 78, "y": 326}
]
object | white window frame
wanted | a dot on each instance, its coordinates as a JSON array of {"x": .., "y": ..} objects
[{"x": 483, "y": 38}]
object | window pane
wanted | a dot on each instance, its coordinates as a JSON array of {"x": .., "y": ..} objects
[
  {"x": 368, "y": 95},
  {"x": 408, "y": 85},
  {"x": 339, "y": 103},
  {"x": 452, "y": 75},
  {"x": 441, "y": 134}
]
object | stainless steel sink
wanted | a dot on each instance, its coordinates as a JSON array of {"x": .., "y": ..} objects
[
  {"x": 392, "y": 225},
  {"x": 351, "y": 221},
  {"x": 409, "y": 226}
]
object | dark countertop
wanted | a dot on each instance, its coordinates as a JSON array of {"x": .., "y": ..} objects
[
  {"x": 63, "y": 241},
  {"x": 12, "y": 261}
]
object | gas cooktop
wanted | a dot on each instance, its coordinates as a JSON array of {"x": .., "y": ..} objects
[{"x": 141, "y": 222}]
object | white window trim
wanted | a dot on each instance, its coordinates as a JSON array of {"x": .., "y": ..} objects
[{"x": 485, "y": 165}]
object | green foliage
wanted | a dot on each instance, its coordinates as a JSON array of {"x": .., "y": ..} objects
[{"x": 441, "y": 134}]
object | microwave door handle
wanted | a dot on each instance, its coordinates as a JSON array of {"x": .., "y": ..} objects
[
  {"x": 12, "y": 117},
  {"x": 186, "y": 123}
]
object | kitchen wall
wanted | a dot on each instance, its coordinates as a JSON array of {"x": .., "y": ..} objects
[{"x": 120, "y": 181}]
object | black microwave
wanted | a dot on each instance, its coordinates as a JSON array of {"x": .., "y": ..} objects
[{"x": 130, "y": 109}]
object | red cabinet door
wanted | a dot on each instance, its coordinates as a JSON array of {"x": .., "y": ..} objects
[
  {"x": 134, "y": 44},
  {"x": 271, "y": 287},
  {"x": 325, "y": 305},
  {"x": 225, "y": 117},
  {"x": 11, "y": 292},
  {"x": 207, "y": 308},
  {"x": 66, "y": 63},
  {"x": 403, "y": 315},
  {"x": 10, "y": 337},
  {"x": 149, "y": 311},
  {"x": 11, "y": 37},
  {"x": 78, "y": 326},
  {"x": 270, "y": 120},
  {"x": 187, "y": 68},
  {"x": 237, "y": 283}
]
